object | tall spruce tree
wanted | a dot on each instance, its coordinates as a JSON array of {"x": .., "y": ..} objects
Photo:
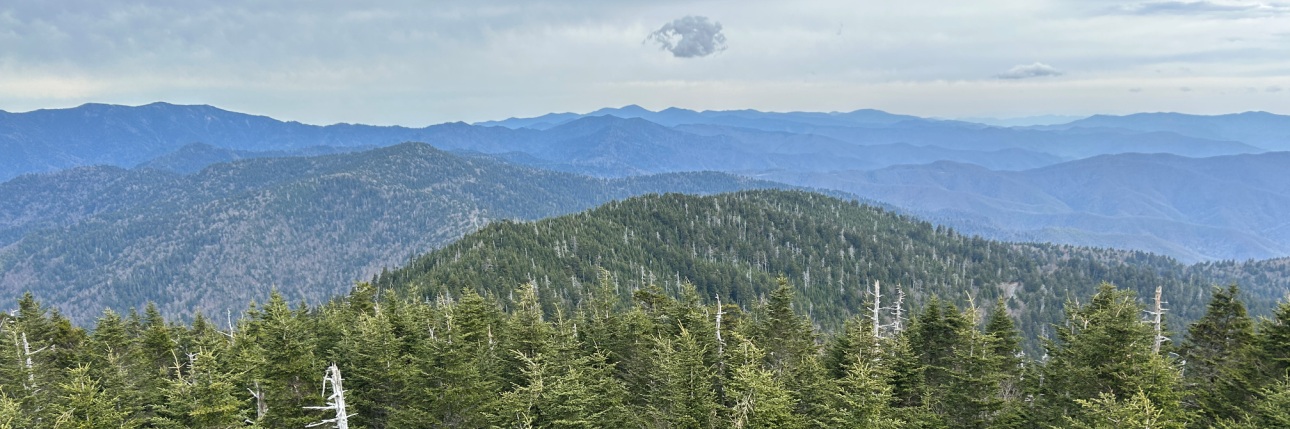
[
  {"x": 286, "y": 340},
  {"x": 682, "y": 394},
  {"x": 1274, "y": 343},
  {"x": 1103, "y": 353},
  {"x": 1219, "y": 355}
]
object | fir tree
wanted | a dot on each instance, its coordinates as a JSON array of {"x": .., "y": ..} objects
[
  {"x": 1108, "y": 412},
  {"x": 1105, "y": 349},
  {"x": 84, "y": 404},
  {"x": 1219, "y": 359},
  {"x": 287, "y": 342},
  {"x": 1274, "y": 343},
  {"x": 682, "y": 395},
  {"x": 201, "y": 396},
  {"x": 759, "y": 399}
]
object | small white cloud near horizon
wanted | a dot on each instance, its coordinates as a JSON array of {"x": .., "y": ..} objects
[
  {"x": 1027, "y": 71},
  {"x": 1226, "y": 9},
  {"x": 690, "y": 37}
]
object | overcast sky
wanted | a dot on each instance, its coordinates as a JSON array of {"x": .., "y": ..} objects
[{"x": 422, "y": 62}]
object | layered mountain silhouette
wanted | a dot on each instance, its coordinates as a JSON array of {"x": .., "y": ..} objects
[
  {"x": 1085, "y": 182},
  {"x": 1196, "y": 209}
]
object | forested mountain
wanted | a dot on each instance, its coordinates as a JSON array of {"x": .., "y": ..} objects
[
  {"x": 971, "y": 176},
  {"x": 380, "y": 359},
  {"x": 100, "y": 237},
  {"x": 1195, "y": 209},
  {"x": 735, "y": 245}
]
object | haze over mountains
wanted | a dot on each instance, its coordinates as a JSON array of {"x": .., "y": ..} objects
[
  {"x": 92, "y": 237},
  {"x": 1210, "y": 188}
]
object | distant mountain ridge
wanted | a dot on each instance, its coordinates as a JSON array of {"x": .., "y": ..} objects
[
  {"x": 308, "y": 226},
  {"x": 92, "y": 134},
  {"x": 819, "y": 150},
  {"x": 1229, "y": 207},
  {"x": 1266, "y": 130}
]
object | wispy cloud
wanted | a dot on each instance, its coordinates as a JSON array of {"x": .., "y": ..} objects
[
  {"x": 690, "y": 37},
  {"x": 1026, "y": 71},
  {"x": 1227, "y": 9}
]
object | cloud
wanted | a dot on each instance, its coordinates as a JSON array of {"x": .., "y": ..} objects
[
  {"x": 1273, "y": 89},
  {"x": 690, "y": 37},
  {"x": 1026, "y": 71},
  {"x": 1225, "y": 9}
]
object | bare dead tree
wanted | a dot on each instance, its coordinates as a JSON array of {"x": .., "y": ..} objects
[
  {"x": 877, "y": 308},
  {"x": 261, "y": 407},
  {"x": 898, "y": 311},
  {"x": 28, "y": 364},
  {"x": 336, "y": 401},
  {"x": 1157, "y": 314},
  {"x": 720, "y": 312}
]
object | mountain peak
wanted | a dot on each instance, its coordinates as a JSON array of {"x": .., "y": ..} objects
[{"x": 625, "y": 111}]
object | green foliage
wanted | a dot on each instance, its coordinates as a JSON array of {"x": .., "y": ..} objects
[
  {"x": 1103, "y": 353},
  {"x": 1219, "y": 356},
  {"x": 84, "y": 404},
  {"x": 1109, "y": 412},
  {"x": 760, "y": 400},
  {"x": 582, "y": 356},
  {"x": 1274, "y": 342},
  {"x": 736, "y": 245},
  {"x": 202, "y": 396}
]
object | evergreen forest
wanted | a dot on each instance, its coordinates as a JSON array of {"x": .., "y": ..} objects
[
  {"x": 659, "y": 362},
  {"x": 750, "y": 309}
]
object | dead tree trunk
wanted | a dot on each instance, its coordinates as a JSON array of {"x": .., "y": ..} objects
[
  {"x": 336, "y": 401},
  {"x": 1157, "y": 314},
  {"x": 720, "y": 313},
  {"x": 877, "y": 308},
  {"x": 261, "y": 408}
]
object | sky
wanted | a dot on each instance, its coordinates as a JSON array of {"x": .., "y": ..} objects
[{"x": 422, "y": 62}]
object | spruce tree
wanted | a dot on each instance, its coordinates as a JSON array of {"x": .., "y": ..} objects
[
  {"x": 863, "y": 395},
  {"x": 1103, "y": 349},
  {"x": 286, "y": 340},
  {"x": 1274, "y": 343},
  {"x": 1109, "y": 412},
  {"x": 682, "y": 393},
  {"x": 791, "y": 351},
  {"x": 1219, "y": 353},
  {"x": 83, "y": 404},
  {"x": 375, "y": 369},
  {"x": 1010, "y": 366},
  {"x": 758, "y": 398},
  {"x": 11, "y": 416},
  {"x": 200, "y": 395},
  {"x": 1273, "y": 409}
]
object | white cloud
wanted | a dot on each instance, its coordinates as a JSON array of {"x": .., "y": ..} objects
[
  {"x": 1026, "y": 71},
  {"x": 1226, "y": 9}
]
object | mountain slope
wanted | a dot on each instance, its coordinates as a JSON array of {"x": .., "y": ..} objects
[
  {"x": 193, "y": 157},
  {"x": 1228, "y": 207},
  {"x": 734, "y": 245},
  {"x": 307, "y": 226}
]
